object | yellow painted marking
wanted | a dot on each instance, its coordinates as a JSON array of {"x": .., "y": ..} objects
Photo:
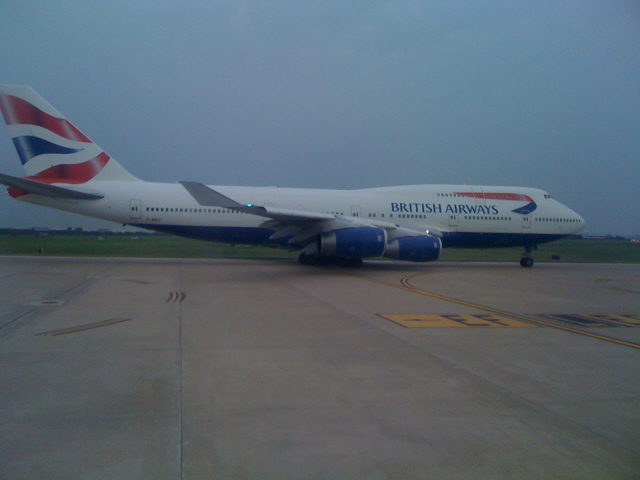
[
  {"x": 80, "y": 328},
  {"x": 176, "y": 297},
  {"x": 407, "y": 287},
  {"x": 629, "y": 320},
  {"x": 454, "y": 321},
  {"x": 580, "y": 320},
  {"x": 598, "y": 320}
]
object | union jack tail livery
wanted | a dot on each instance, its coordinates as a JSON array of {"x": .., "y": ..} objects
[{"x": 52, "y": 149}]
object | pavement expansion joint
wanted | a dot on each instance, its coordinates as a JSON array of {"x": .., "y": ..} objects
[
  {"x": 44, "y": 303},
  {"x": 81, "y": 328}
]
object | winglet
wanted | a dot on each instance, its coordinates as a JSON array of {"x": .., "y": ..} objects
[{"x": 208, "y": 197}]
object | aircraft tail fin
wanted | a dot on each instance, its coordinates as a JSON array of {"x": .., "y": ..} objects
[{"x": 52, "y": 149}]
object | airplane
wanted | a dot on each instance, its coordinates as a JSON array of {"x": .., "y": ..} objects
[{"x": 67, "y": 171}]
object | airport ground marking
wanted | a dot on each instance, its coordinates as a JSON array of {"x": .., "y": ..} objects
[
  {"x": 486, "y": 320},
  {"x": 176, "y": 297},
  {"x": 81, "y": 328},
  {"x": 405, "y": 282},
  {"x": 596, "y": 321},
  {"x": 409, "y": 288}
]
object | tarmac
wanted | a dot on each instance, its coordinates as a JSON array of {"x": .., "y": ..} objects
[{"x": 266, "y": 369}]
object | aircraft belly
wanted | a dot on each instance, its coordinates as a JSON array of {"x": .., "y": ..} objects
[
  {"x": 495, "y": 240},
  {"x": 226, "y": 234}
]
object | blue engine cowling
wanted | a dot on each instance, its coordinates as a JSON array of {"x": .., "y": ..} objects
[
  {"x": 415, "y": 249},
  {"x": 353, "y": 242}
]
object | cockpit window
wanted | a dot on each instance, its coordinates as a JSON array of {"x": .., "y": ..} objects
[{"x": 546, "y": 195}]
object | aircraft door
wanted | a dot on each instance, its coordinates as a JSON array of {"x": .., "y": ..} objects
[
  {"x": 453, "y": 220},
  {"x": 526, "y": 219},
  {"x": 356, "y": 210},
  {"x": 135, "y": 207}
]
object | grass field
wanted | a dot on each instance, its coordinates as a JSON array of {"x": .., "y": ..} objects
[
  {"x": 569, "y": 250},
  {"x": 152, "y": 246},
  {"x": 165, "y": 246}
]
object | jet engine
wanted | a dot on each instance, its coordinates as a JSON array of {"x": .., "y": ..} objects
[
  {"x": 353, "y": 242},
  {"x": 414, "y": 249}
]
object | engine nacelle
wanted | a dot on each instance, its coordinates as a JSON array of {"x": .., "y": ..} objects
[
  {"x": 353, "y": 242},
  {"x": 415, "y": 249}
]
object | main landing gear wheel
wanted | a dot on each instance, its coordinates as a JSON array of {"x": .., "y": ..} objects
[
  {"x": 326, "y": 260},
  {"x": 305, "y": 259},
  {"x": 526, "y": 262},
  {"x": 356, "y": 262}
]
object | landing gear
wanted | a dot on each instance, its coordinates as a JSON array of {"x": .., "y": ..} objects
[
  {"x": 325, "y": 260},
  {"x": 356, "y": 262},
  {"x": 306, "y": 259},
  {"x": 527, "y": 261}
]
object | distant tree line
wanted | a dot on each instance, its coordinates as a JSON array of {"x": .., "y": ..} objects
[{"x": 44, "y": 231}]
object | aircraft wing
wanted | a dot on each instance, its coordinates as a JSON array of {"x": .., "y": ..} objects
[
  {"x": 39, "y": 188},
  {"x": 302, "y": 226},
  {"x": 207, "y": 197}
]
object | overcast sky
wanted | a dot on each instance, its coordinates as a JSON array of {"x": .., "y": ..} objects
[{"x": 339, "y": 94}]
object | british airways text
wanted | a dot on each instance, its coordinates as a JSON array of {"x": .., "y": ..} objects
[{"x": 439, "y": 208}]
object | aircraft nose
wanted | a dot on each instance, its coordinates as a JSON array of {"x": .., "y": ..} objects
[{"x": 580, "y": 223}]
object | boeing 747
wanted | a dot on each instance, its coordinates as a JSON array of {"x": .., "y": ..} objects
[{"x": 67, "y": 171}]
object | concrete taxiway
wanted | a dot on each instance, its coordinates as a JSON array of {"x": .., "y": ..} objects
[{"x": 169, "y": 369}]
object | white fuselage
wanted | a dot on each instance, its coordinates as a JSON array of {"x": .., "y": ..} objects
[{"x": 451, "y": 209}]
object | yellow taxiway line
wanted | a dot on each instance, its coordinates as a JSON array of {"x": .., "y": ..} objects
[{"x": 408, "y": 287}]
